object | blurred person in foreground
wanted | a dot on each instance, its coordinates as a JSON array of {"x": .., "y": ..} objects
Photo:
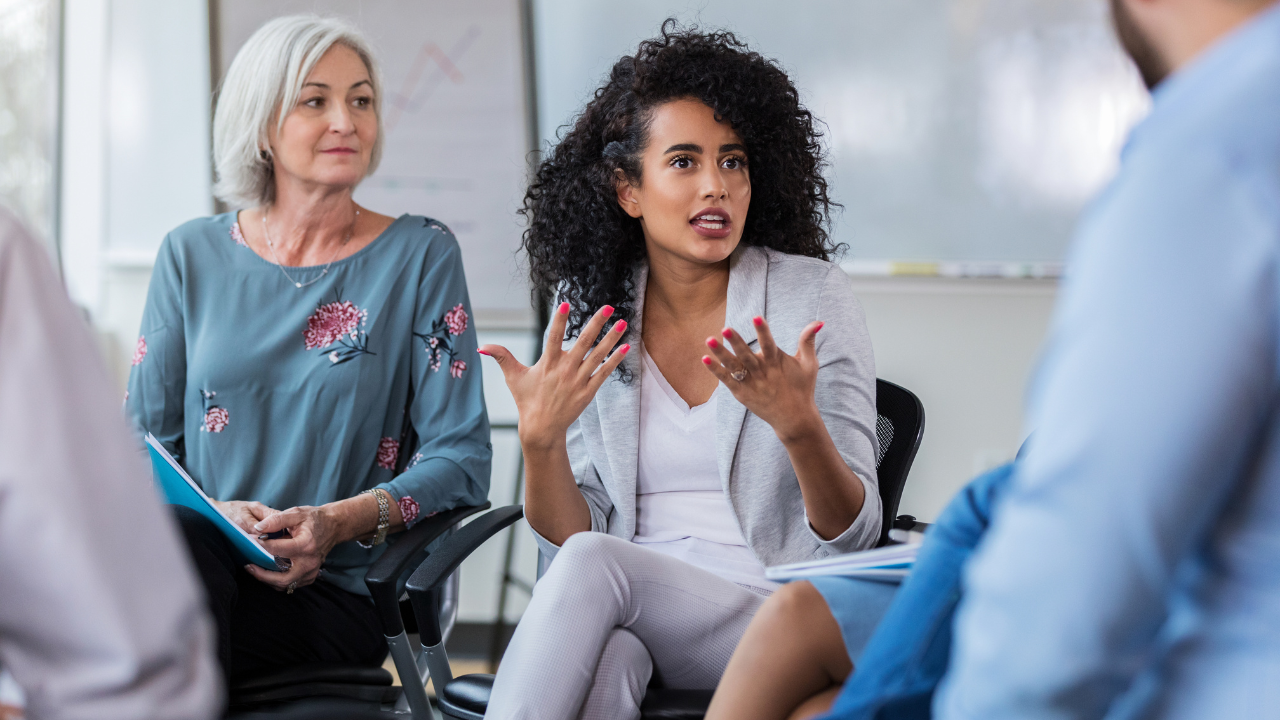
[
  {"x": 289, "y": 348},
  {"x": 1129, "y": 568},
  {"x": 100, "y": 615},
  {"x": 1132, "y": 568}
]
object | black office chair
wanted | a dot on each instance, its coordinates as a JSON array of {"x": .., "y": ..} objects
[
  {"x": 360, "y": 685},
  {"x": 899, "y": 429},
  {"x": 358, "y": 690}
]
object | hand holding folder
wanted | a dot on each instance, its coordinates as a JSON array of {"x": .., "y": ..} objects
[{"x": 180, "y": 489}]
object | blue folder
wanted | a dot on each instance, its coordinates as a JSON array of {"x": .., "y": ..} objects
[{"x": 180, "y": 489}]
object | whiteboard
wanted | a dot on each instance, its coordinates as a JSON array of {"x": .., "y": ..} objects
[
  {"x": 958, "y": 130},
  {"x": 455, "y": 117}
]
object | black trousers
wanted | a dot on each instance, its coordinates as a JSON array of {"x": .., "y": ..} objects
[{"x": 261, "y": 629}]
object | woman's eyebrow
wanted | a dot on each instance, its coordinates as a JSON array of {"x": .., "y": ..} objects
[
  {"x": 326, "y": 86},
  {"x": 733, "y": 146},
  {"x": 685, "y": 147}
]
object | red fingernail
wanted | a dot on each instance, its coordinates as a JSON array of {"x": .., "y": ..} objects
[
  {"x": 727, "y": 333},
  {"x": 564, "y": 308},
  {"x": 607, "y": 310},
  {"x": 482, "y": 352},
  {"x": 706, "y": 360},
  {"x": 624, "y": 349},
  {"x": 711, "y": 342},
  {"x": 819, "y": 327},
  {"x": 757, "y": 320},
  {"x": 620, "y": 326}
]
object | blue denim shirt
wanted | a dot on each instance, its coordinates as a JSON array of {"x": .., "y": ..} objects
[
  {"x": 296, "y": 396},
  {"x": 1133, "y": 567}
]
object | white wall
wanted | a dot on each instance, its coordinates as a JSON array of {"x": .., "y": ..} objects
[{"x": 966, "y": 348}]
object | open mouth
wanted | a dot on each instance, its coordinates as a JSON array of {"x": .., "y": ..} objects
[{"x": 712, "y": 223}]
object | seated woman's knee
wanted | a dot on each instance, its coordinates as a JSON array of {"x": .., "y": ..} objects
[
  {"x": 584, "y": 546},
  {"x": 586, "y": 549},
  {"x": 592, "y": 559},
  {"x": 792, "y": 605}
]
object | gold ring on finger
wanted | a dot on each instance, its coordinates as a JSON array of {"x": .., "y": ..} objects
[
  {"x": 292, "y": 586},
  {"x": 739, "y": 375}
]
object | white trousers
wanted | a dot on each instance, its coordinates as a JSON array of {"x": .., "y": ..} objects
[{"x": 608, "y": 616}]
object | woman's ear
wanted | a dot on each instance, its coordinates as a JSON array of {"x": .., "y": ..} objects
[{"x": 627, "y": 194}]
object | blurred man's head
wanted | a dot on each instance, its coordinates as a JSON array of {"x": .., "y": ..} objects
[{"x": 1163, "y": 35}]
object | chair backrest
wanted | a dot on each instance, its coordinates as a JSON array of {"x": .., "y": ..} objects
[{"x": 899, "y": 428}]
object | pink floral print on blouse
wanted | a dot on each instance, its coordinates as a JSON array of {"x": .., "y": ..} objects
[
  {"x": 338, "y": 322},
  {"x": 439, "y": 342},
  {"x": 140, "y": 351},
  {"x": 237, "y": 235},
  {"x": 456, "y": 319},
  {"x": 216, "y": 418},
  {"x": 388, "y": 451},
  {"x": 409, "y": 509}
]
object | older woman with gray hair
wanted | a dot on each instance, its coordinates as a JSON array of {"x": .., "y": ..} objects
[{"x": 287, "y": 349}]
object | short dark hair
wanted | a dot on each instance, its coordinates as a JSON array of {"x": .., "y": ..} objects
[{"x": 583, "y": 248}]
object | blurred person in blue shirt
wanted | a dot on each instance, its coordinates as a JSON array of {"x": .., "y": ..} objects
[
  {"x": 1126, "y": 564},
  {"x": 1131, "y": 569}
]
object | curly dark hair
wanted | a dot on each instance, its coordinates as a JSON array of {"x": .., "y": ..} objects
[{"x": 583, "y": 247}]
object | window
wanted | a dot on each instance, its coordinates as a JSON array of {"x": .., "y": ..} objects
[{"x": 28, "y": 112}]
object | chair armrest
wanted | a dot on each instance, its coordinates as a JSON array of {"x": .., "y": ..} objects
[
  {"x": 385, "y": 577},
  {"x": 426, "y": 580},
  {"x": 910, "y": 524}
]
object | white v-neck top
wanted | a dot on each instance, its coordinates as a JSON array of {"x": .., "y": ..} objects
[{"x": 681, "y": 507}]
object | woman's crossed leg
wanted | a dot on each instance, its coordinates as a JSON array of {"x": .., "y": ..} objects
[{"x": 607, "y": 617}]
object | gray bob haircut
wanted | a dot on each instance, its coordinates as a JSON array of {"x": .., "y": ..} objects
[{"x": 266, "y": 76}]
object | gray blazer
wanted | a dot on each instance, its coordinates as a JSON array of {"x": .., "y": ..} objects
[{"x": 790, "y": 292}]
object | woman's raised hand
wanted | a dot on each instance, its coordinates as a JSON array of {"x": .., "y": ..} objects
[
  {"x": 554, "y": 391},
  {"x": 777, "y": 387}
]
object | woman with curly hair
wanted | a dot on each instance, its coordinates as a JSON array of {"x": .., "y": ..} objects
[{"x": 710, "y": 430}]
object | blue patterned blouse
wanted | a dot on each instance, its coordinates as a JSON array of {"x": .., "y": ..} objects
[{"x": 296, "y": 396}]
